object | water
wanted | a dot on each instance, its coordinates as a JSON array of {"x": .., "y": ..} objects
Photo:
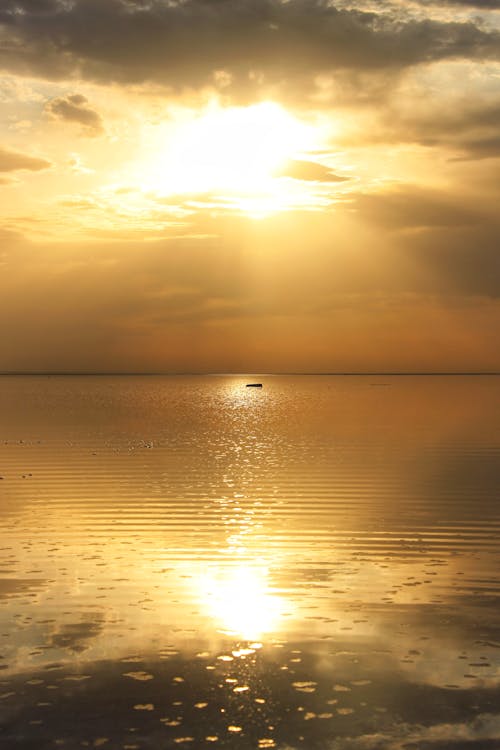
[{"x": 188, "y": 563}]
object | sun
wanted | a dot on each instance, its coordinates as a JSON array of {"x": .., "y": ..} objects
[{"x": 230, "y": 151}]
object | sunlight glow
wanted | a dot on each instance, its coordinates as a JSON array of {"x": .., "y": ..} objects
[
  {"x": 232, "y": 153},
  {"x": 240, "y": 600}
]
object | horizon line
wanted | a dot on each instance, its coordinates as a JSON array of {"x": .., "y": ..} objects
[{"x": 124, "y": 373}]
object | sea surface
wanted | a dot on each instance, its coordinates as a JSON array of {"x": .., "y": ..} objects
[{"x": 189, "y": 563}]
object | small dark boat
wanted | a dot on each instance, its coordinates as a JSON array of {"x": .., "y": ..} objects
[{"x": 254, "y": 385}]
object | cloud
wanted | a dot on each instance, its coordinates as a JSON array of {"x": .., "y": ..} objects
[
  {"x": 481, "y": 148},
  {"x": 450, "y": 242},
  {"x": 411, "y": 207},
  {"x": 212, "y": 303},
  {"x": 254, "y": 43},
  {"x": 309, "y": 171},
  {"x": 473, "y": 130},
  {"x": 39, "y": 7},
  {"x": 464, "y": 259},
  {"x": 73, "y": 108},
  {"x": 10, "y": 161},
  {"x": 470, "y": 127},
  {"x": 483, "y": 4}
]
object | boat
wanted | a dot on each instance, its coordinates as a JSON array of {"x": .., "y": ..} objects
[{"x": 253, "y": 385}]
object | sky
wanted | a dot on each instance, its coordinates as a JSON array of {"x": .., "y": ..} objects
[{"x": 249, "y": 185}]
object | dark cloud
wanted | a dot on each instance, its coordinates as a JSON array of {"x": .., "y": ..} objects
[
  {"x": 451, "y": 245},
  {"x": 411, "y": 207},
  {"x": 73, "y": 108},
  {"x": 10, "y": 161},
  {"x": 481, "y": 148},
  {"x": 470, "y": 128},
  {"x": 463, "y": 260},
  {"x": 484, "y": 4},
  {"x": 37, "y": 7},
  {"x": 184, "y": 44},
  {"x": 309, "y": 171}
]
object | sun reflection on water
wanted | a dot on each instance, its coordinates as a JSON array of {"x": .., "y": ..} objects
[
  {"x": 241, "y": 601},
  {"x": 237, "y": 396}
]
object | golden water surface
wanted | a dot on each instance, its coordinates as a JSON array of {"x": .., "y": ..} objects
[{"x": 187, "y": 562}]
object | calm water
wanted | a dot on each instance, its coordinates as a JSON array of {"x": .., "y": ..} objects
[{"x": 188, "y": 563}]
